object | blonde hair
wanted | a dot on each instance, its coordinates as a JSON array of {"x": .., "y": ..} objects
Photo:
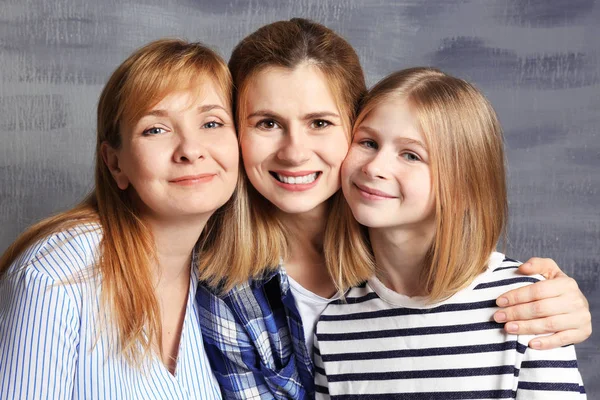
[
  {"x": 288, "y": 44},
  {"x": 127, "y": 247},
  {"x": 466, "y": 152}
]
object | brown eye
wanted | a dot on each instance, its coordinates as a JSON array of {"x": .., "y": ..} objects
[
  {"x": 320, "y": 124},
  {"x": 267, "y": 124}
]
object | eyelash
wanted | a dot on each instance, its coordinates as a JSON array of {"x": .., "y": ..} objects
[
  {"x": 410, "y": 154},
  {"x": 217, "y": 123},
  {"x": 204, "y": 126},
  {"x": 147, "y": 131},
  {"x": 261, "y": 124},
  {"x": 327, "y": 124},
  {"x": 371, "y": 144}
]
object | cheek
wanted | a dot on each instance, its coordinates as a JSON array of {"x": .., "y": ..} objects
[
  {"x": 251, "y": 150},
  {"x": 143, "y": 162},
  {"x": 351, "y": 164},
  {"x": 334, "y": 149}
]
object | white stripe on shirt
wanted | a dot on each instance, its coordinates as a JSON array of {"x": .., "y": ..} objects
[
  {"x": 386, "y": 345},
  {"x": 51, "y": 342}
]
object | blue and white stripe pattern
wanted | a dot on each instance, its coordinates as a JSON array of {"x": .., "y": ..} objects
[
  {"x": 382, "y": 345},
  {"x": 52, "y": 341}
]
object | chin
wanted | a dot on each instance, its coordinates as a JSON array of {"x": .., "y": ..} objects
[{"x": 369, "y": 220}]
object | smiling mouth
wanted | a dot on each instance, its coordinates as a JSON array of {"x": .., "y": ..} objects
[{"x": 296, "y": 180}]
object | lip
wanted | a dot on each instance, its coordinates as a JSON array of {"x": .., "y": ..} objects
[
  {"x": 300, "y": 187},
  {"x": 189, "y": 180},
  {"x": 294, "y": 173},
  {"x": 373, "y": 194}
]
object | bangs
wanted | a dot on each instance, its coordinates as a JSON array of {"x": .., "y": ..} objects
[{"x": 155, "y": 75}]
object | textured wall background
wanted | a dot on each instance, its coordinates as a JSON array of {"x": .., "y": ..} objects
[{"x": 537, "y": 60}]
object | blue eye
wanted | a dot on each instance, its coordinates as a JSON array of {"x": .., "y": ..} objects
[
  {"x": 155, "y": 130},
  {"x": 212, "y": 125},
  {"x": 267, "y": 124},
  {"x": 410, "y": 157},
  {"x": 369, "y": 144},
  {"x": 320, "y": 124}
]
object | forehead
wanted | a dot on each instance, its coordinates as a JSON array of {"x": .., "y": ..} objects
[
  {"x": 203, "y": 91},
  {"x": 392, "y": 118},
  {"x": 301, "y": 89}
]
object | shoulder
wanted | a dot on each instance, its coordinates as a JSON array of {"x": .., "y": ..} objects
[
  {"x": 502, "y": 275},
  {"x": 62, "y": 255},
  {"x": 356, "y": 300}
]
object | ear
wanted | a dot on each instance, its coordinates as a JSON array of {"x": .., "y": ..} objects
[{"x": 110, "y": 156}]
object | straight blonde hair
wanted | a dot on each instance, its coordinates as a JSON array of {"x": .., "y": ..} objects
[
  {"x": 288, "y": 44},
  {"x": 127, "y": 247},
  {"x": 465, "y": 144}
]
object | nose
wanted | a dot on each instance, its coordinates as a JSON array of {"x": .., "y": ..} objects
[
  {"x": 189, "y": 147},
  {"x": 376, "y": 167},
  {"x": 295, "y": 148}
]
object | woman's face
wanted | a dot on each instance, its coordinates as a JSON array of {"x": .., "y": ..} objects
[
  {"x": 293, "y": 140},
  {"x": 386, "y": 177},
  {"x": 181, "y": 157}
]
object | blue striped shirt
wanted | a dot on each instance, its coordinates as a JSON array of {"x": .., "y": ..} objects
[{"x": 53, "y": 343}]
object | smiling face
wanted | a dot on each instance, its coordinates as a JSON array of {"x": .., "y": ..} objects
[
  {"x": 293, "y": 139},
  {"x": 180, "y": 157},
  {"x": 386, "y": 176}
]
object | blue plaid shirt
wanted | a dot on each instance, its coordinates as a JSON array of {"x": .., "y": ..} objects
[{"x": 254, "y": 340}]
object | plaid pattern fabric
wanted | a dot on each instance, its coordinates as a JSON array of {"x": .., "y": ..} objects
[{"x": 254, "y": 340}]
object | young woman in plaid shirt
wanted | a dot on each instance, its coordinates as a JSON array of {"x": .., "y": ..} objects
[{"x": 298, "y": 87}]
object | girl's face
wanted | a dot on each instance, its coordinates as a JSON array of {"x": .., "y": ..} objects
[
  {"x": 293, "y": 141},
  {"x": 181, "y": 157},
  {"x": 386, "y": 176}
]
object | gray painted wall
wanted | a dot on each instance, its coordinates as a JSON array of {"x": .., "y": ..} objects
[{"x": 537, "y": 60}]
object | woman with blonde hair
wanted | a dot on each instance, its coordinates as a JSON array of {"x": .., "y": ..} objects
[
  {"x": 425, "y": 174},
  {"x": 298, "y": 87},
  {"x": 98, "y": 301}
]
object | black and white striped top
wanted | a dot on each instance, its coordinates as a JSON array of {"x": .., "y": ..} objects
[{"x": 383, "y": 345}]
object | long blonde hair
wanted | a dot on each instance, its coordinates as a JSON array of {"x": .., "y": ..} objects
[
  {"x": 127, "y": 246},
  {"x": 288, "y": 44},
  {"x": 465, "y": 145}
]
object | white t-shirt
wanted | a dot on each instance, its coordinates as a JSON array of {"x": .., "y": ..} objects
[{"x": 310, "y": 306}]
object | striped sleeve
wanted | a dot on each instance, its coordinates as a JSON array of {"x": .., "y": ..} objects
[
  {"x": 38, "y": 337},
  {"x": 550, "y": 375},
  {"x": 321, "y": 383}
]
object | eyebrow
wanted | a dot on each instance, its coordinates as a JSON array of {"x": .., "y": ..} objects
[
  {"x": 374, "y": 132},
  {"x": 309, "y": 116},
  {"x": 201, "y": 109}
]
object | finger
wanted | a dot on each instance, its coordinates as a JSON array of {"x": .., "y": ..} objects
[
  {"x": 560, "y": 339},
  {"x": 537, "y": 291},
  {"x": 536, "y": 309},
  {"x": 543, "y": 266},
  {"x": 554, "y": 324}
]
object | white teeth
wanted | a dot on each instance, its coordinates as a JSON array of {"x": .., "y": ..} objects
[{"x": 298, "y": 179}]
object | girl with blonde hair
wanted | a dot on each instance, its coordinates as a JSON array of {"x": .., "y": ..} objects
[
  {"x": 98, "y": 301},
  {"x": 298, "y": 86},
  {"x": 425, "y": 174}
]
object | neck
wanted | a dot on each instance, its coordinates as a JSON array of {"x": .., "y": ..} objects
[
  {"x": 400, "y": 255},
  {"x": 306, "y": 260},
  {"x": 174, "y": 242}
]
